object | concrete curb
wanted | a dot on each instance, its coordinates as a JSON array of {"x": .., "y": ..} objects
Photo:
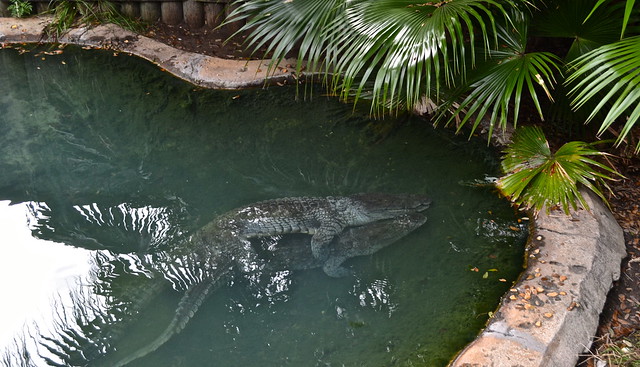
[
  {"x": 549, "y": 316},
  {"x": 201, "y": 70}
]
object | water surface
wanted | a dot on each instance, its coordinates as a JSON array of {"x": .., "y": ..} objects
[{"x": 104, "y": 159}]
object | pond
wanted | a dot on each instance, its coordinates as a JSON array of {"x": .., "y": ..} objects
[{"x": 108, "y": 163}]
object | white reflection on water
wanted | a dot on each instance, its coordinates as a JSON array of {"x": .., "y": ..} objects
[
  {"x": 34, "y": 272},
  {"x": 50, "y": 289},
  {"x": 146, "y": 220},
  {"x": 377, "y": 295}
]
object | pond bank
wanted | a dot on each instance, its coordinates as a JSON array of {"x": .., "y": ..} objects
[
  {"x": 550, "y": 315},
  {"x": 201, "y": 70},
  {"x": 546, "y": 319}
]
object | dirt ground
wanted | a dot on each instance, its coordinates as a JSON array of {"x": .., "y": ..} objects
[
  {"x": 621, "y": 315},
  {"x": 211, "y": 41}
]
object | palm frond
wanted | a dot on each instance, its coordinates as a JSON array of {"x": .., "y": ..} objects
[
  {"x": 405, "y": 47},
  {"x": 535, "y": 177},
  {"x": 399, "y": 47},
  {"x": 629, "y": 8},
  {"x": 610, "y": 73},
  {"x": 566, "y": 19},
  {"x": 280, "y": 26},
  {"x": 514, "y": 74}
]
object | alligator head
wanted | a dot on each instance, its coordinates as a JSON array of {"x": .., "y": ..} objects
[
  {"x": 292, "y": 251},
  {"x": 370, "y": 207}
]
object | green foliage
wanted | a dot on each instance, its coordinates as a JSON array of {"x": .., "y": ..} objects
[
  {"x": 20, "y": 8},
  {"x": 570, "y": 21},
  {"x": 535, "y": 177},
  {"x": 399, "y": 48},
  {"x": 627, "y": 13},
  {"x": 611, "y": 75},
  {"x": 513, "y": 72},
  {"x": 67, "y": 14}
]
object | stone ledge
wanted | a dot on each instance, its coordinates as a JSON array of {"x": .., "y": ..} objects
[
  {"x": 550, "y": 314},
  {"x": 201, "y": 70}
]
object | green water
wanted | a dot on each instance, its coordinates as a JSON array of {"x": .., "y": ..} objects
[{"x": 104, "y": 158}]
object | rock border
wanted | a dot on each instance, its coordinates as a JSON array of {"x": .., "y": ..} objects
[
  {"x": 552, "y": 312},
  {"x": 546, "y": 319},
  {"x": 201, "y": 70}
]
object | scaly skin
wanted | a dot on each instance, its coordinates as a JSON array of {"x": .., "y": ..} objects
[{"x": 323, "y": 218}]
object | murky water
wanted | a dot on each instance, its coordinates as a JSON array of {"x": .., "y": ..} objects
[{"x": 104, "y": 160}]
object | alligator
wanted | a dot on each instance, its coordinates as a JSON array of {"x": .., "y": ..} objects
[
  {"x": 322, "y": 218},
  {"x": 290, "y": 252}
]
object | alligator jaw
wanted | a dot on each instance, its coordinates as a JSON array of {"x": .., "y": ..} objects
[{"x": 370, "y": 207}]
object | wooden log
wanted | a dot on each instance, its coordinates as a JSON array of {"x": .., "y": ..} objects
[
  {"x": 213, "y": 14},
  {"x": 42, "y": 7},
  {"x": 3, "y": 8},
  {"x": 231, "y": 27},
  {"x": 150, "y": 11},
  {"x": 130, "y": 9},
  {"x": 171, "y": 12},
  {"x": 193, "y": 13}
]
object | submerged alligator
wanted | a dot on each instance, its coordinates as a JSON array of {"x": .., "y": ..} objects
[
  {"x": 323, "y": 218},
  {"x": 308, "y": 232}
]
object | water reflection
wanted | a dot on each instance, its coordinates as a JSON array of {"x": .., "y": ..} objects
[
  {"x": 43, "y": 274},
  {"x": 377, "y": 295},
  {"x": 72, "y": 303}
]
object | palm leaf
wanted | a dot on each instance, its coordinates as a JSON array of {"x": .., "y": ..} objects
[
  {"x": 566, "y": 19},
  {"x": 399, "y": 43},
  {"x": 611, "y": 74},
  {"x": 398, "y": 47},
  {"x": 535, "y": 177},
  {"x": 283, "y": 25},
  {"x": 514, "y": 74},
  {"x": 629, "y": 7}
]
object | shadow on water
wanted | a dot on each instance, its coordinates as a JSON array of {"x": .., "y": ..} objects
[{"x": 108, "y": 157}]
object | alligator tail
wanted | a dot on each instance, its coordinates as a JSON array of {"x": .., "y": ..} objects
[{"x": 189, "y": 304}]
